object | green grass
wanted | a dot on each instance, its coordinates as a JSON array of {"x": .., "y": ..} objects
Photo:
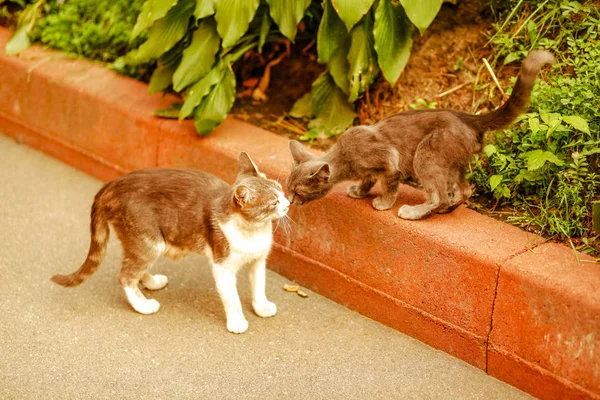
[
  {"x": 95, "y": 29},
  {"x": 547, "y": 165}
]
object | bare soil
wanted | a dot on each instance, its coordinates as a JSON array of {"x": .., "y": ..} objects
[{"x": 445, "y": 67}]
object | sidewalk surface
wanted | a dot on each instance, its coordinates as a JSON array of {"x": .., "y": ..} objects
[{"x": 86, "y": 342}]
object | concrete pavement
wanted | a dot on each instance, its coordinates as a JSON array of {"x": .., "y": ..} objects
[{"x": 86, "y": 342}]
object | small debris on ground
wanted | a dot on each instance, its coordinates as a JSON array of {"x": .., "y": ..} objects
[
  {"x": 290, "y": 288},
  {"x": 294, "y": 288}
]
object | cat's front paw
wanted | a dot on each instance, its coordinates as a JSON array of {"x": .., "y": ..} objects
[
  {"x": 237, "y": 324},
  {"x": 355, "y": 192},
  {"x": 148, "y": 306},
  {"x": 265, "y": 309},
  {"x": 381, "y": 204}
]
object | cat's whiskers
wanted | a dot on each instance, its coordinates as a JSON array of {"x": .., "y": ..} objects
[
  {"x": 277, "y": 225},
  {"x": 279, "y": 174},
  {"x": 286, "y": 225}
]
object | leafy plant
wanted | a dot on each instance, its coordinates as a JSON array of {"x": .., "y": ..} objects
[
  {"x": 194, "y": 43},
  {"x": 357, "y": 40},
  {"x": 26, "y": 21},
  {"x": 197, "y": 41},
  {"x": 547, "y": 164}
]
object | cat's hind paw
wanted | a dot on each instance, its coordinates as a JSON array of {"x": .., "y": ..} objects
[
  {"x": 237, "y": 324},
  {"x": 265, "y": 309},
  {"x": 155, "y": 282},
  {"x": 414, "y": 212}
]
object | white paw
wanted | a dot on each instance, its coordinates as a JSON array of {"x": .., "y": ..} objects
[
  {"x": 156, "y": 282},
  {"x": 146, "y": 306},
  {"x": 380, "y": 204},
  {"x": 237, "y": 324},
  {"x": 410, "y": 212},
  {"x": 265, "y": 309}
]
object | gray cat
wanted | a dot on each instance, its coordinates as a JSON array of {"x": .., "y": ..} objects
[{"x": 431, "y": 146}]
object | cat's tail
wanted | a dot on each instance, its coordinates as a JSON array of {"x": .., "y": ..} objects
[
  {"x": 99, "y": 238},
  {"x": 509, "y": 111}
]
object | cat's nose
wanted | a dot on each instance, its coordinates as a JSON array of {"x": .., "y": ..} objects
[{"x": 290, "y": 198}]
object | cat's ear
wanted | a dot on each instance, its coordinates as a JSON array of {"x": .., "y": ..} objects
[
  {"x": 247, "y": 166},
  {"x": 243, "y": 195},
  {"x": 322, "y": 173},
  {"x": 299, "y": 154}
]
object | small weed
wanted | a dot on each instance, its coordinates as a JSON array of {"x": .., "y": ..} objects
[
  {"x": 420, "y": 103},
  {"x": 458, "y": 65}
]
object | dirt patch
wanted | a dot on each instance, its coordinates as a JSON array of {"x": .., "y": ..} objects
[{"x": 444, "y": 68}]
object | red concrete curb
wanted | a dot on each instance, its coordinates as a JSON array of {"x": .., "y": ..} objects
[{"x": 464, "y": 283}]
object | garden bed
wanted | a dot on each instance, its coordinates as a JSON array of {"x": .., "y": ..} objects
[{"x": 521, "y": 309}]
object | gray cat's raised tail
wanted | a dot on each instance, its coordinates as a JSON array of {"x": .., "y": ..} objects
[
  {"x": 99, "y": 238},
  {"x": 509, "y": 111}
]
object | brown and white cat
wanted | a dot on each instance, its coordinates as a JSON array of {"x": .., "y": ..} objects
[
  {"x": 161, "y": 211},
  {"x": 431, "y": 146}
]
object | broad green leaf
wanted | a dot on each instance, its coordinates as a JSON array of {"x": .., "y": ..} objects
[
  {"x": 596, "y": 216},
  {"x": 233, "y": 18},
  {"x": 287, "y": 14},
  {"x": 532, "y": 31},
  {"x": 577, "y": 123},
  {"x": 362, "y": 59},
  {"x": 495, "y": 180},
  {"x": 421, "y": 12},
  {"x": 151, "y": 11},
  {"x": 506, "y": 192},
  {"x": 166, "y": 32},
  {"x": 489, "y": 150},
  {"x": 214, "y": 108},
  {"x": 201, "y": 88},
  {"x": 330, "y": 106},
  {"x": 513, "y": 57},
  {"x": 339, "y": 67},
  {"x": 199, "y": 56},
  {"x": 548, "y": 118},
  {"x": 537, "y": 158},
  {"x": 534, "y": 124},
  {"x": 393, "y": 39},
  {"x": 530, "y": 176},
  {"x": 553, "y": 158},
  {"x": 204, "y": 8},
  {"x": 265, "y": 27},
  {"x": 332, "y": 33},
  {"x": 170, "y": 113},
  {"x": 161, "y": 78},
  {"x": 19, "y": 41},
  {"x": 310, "y": 135},
  {"x": 302, "y": 107},
  {"x": 351, "y": 11}
]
